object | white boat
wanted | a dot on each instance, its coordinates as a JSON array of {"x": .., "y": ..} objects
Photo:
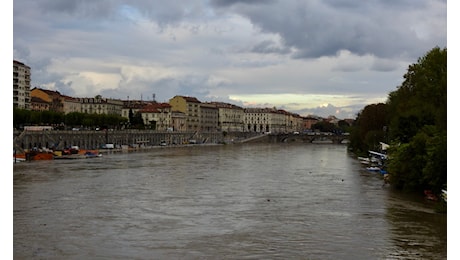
[
  {"x": 16, "y": 160},
  {"x": 364, "y": 160},
  {"x": 378, "y": 155},
  {"x": 444, "y": 195},
  {"x": 373, "y": 168}
]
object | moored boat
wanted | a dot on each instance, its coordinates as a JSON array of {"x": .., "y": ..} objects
[
  {"x": 364, "y": 160},
  {"x": 33, "y": 155},
  {"x": 75, "y": 152},
  {"x": 373, "y": 169},
  {"x": 444, "y": 195}
]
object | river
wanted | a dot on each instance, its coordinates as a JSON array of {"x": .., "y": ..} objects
[{"x": 247, "y": 201}]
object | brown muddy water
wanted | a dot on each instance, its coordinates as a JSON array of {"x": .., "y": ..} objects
[{"x": 252, "y": 201}]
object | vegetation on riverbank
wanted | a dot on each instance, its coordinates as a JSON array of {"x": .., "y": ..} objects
[
  {"x": 413, "y": 121},
  {"x": 22, "y": 117}
]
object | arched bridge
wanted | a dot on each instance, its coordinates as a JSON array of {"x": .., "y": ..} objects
[{"x": 309, "y": 137}]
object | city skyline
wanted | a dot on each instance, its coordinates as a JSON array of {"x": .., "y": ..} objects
[{"x": 311, "y": 58}]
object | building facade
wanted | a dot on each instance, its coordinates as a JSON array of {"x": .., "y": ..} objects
[
  {"x": 309, "y": 121},
  {"x": 190, "y": 106},
  {"x": 21, "y": 85},
  {"x": 70, "y": 104},
  {"x": 178, "y": 121},
  {"x": 257, "y": 120},
  {"x": 157, "y": 116},
  {"x": 99, "y": 105},
  {"x": 54, "y": 98},
  {"x": 231, "y": 117},
  {"x": 38, "y": 104},
  {"x": 209, "y": 117}
]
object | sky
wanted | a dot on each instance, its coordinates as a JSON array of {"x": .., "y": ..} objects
[{"x": 315, "y": 57}]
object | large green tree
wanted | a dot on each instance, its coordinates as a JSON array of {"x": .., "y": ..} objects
[
  {"x": 422, "y": 97},
  {"x": 418, "y": 125},
  {"x": 369, "y": 129}
]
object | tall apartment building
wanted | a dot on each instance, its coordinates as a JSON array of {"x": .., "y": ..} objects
[
  {"x": 21, "y": 85},
  {"x": 209, "y": 117},
  {"x": 258, "y": 119},
  {"x": 190, "y": 106},
  {"x": 231, "y": 117}
]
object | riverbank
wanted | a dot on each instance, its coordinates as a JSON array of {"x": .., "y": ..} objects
[{"x": 132, "y": 139}]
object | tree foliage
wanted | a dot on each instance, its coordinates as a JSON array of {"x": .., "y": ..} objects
[
  {"x": 418, "y": 122},
  {"x": 422, "y": 97},
  {"x": 414, "y": 122},
  {"x": 136, "y": 120},
  {"x": 324, "y": 126},
  {"x": 421, "y": 163},
  {"x": 369, "y": 129},
  {"x": 22, "y": 117}
]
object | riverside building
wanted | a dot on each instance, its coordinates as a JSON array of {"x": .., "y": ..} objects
[{"x": 21, "y": 85}]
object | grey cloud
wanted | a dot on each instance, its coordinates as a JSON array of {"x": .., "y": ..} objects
[
  {"x": 226, "y": 3},
  {"x": 83, "y": 8},
  {"x": 313, "y": 28},
  {"x": 339, "y": 112},
  {"x": 316, "y": 29},
  {"x": 162, "y": 12},
  {"x": 269, "y": 47},
  {"x": 22, "y": 52},
  {"x": 164, "y": 89},
  {"x": 65, "y": 88},
  {"x": 384, "y": 65}
]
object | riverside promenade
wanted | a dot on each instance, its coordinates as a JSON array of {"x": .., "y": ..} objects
[{"x": 91, "y": 139}]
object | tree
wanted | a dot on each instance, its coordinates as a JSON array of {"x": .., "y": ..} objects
[
  {"x": 324, "y": 126},
  {"x": 369, "y": 128},
  {"x": 418, "y": 124},
  {"x": 74, "y": 119},
  {"x": 421, "y": 163},
  {"x": 422, "y": 97},
  {"x": 136, "y": 121},
  {"x": 20, "y": 117}
]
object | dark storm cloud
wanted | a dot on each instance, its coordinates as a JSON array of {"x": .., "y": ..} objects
[
  {"x": 323, "y": 28},
  {"x": 269, "y": 46},
  {"x": 313, "y": 28},
  {"x": 226, "y": 3},
  {"x": 85, "y": 8}
]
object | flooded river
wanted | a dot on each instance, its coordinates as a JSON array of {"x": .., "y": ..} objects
[{"x": 252, "y": 201}]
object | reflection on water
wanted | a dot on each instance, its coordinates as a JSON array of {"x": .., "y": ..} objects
[{"x": 276, "y": 201}]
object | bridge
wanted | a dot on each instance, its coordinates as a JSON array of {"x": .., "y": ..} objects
[{"x": 309, "y": 137}]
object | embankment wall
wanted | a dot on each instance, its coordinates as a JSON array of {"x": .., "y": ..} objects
[{"x": 97, "y": 139}]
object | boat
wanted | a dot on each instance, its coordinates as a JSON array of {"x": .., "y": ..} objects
[
  {"x": 364, "y": 160},
  {"x": 378, "y": 155},
  {"x": 91, "y": 154},
  {"x": 75, "y": 153},
  {"x": 34, "y": 155},
  {"x": 17, "y": 160},
  {"x": 78, "y": 156},
  {"x": 373, "y": 169},
  {"x": 444, "y": 195},
  {"x": 69, "y": 156}
]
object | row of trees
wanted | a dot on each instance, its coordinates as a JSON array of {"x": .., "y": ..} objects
[
  {"x": 23, "y": 117},
  {"x": 414, "y": 122}
]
